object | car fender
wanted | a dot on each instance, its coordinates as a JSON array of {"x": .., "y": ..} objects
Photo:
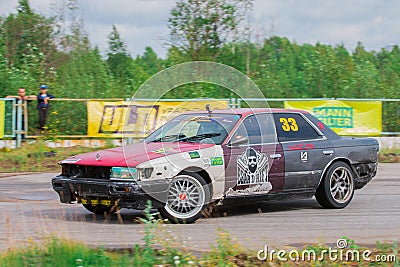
[
  {"x": 346, "y": 160},
  {"x": 210, "y": 160}
]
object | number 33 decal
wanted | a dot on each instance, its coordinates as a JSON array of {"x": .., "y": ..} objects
[{"x": 289, "y": 124}]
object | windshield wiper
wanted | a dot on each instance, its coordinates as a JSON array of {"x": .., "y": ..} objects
[
  {"x": 202, "y": 136},
  {"x": 184, "y": 138},
  {"x": 170, "y": 138}
]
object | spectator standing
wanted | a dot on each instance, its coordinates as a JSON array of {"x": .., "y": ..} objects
[
  {"x": 22, "y": 99},
  {"x": 43, "y": 105},
  {"x": 22, "y": 95}
]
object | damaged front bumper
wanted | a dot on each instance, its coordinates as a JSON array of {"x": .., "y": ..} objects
[{"x": 126, "y": 194}]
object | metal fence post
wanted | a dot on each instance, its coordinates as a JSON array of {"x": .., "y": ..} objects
[
  {"x": 232, "y": 103},
  {"x": 19, "y": 123}
]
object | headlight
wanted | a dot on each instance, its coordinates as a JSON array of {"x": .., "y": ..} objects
[{"x": 120, "y": 173}]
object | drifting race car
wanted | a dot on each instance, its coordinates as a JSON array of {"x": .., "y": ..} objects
[{"x": 222, "y": 156}]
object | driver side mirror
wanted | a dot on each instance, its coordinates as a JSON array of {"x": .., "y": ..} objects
[{"x": 236, "y": 143}]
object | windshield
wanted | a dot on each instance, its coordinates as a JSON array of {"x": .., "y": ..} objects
[{"x": 195, "y": 128}]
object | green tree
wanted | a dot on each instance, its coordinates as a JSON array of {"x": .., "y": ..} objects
[
  {"x": 200, "y": 28},
  {"x": 118, "y": 59},
  {"x": 389, "y": 67},
  {"x": 150, "y": 63},
  {"x": 341, "y": 68},
  {"x": 24, "y": 30},
  {"x": 365, "y": 81},
  {"x": 27, "y": 49},
  {"x": 85, "y": 75}
]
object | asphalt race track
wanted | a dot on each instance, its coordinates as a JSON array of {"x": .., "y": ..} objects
[{"x": 29, "y": 209}]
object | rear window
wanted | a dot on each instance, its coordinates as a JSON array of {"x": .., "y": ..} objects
[{"x": 293, "y": 127}]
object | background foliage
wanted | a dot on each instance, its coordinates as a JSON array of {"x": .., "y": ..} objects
[{"x": 56, "y": 51}]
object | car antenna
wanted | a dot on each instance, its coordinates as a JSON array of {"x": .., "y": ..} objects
[{"x": 208, "y": 110}]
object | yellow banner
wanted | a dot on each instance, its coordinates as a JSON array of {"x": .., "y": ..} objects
[
  {"x": 138, "y": 119},
  {"x": 2, "y": 118},
  {"x": 345, "y": 117}
]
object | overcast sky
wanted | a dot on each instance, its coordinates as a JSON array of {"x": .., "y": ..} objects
[{"x": 141, "y": 23}]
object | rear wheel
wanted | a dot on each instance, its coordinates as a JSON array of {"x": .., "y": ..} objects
[
  {"x": 337, "y": 187},
  {"x": 188, "y": 195}
]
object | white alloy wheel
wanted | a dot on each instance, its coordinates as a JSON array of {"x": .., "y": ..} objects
[{"x": 188, "y": 194}]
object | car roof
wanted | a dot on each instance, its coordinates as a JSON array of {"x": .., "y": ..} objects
[{"x": 247, "y": 111}]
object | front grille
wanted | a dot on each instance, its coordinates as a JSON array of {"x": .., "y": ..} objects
[
  {"x": 92, "y": 189},
  {"x": 79, "y": 171}
]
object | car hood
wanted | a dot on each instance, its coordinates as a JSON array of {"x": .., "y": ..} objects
[{"x": 133, "y": 155}]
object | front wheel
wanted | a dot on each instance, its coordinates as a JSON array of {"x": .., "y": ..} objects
[
  {"x": 337, "y": 187},
  {"x": 188, "y": 195}
]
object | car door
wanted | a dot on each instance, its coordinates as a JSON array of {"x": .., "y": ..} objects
[
  {"x": 254, "y": 159},
  {"x": 307, "y": 151}
]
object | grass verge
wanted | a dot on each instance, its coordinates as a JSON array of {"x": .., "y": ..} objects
[
  {"x": 389, "y": 156},
  {"x": 61, "y": 252},
  {"x": 37, "y": 157}
]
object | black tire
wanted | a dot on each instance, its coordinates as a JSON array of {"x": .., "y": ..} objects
[
  {"x": 336, "y": 189},
  {"x": 99, "y": 209},
  {"x": 188, "y": 196}
]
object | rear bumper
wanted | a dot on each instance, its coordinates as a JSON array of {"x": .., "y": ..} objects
[
  {"x": 365, "y": 173},
  {"x": 126, "y": 194}
]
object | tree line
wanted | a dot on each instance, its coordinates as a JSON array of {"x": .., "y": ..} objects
[{"x": 56, "y": 51}]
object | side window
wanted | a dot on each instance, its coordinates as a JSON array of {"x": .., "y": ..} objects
[
  {"x": 293, "y": 127},
  {"x": 259, "y": 129}
]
